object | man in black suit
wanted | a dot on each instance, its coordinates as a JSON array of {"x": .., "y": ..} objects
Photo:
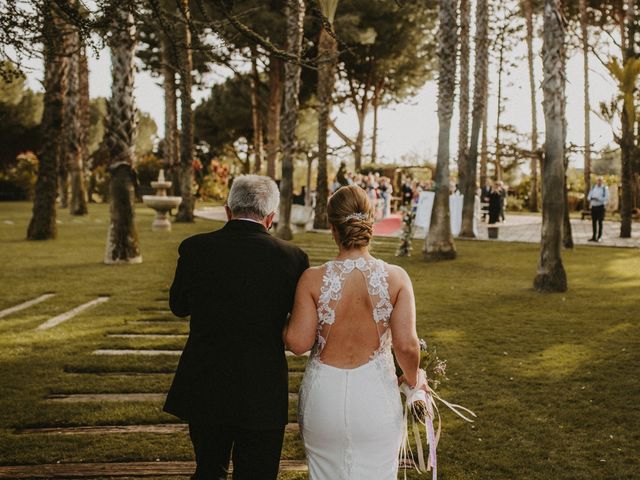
[{"x": 231, "y": 385}]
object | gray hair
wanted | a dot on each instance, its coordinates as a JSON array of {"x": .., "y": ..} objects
[{"x": 253, "y": 195}]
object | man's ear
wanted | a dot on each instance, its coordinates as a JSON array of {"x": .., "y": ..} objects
[
  {"x": 228, "y": 211},
  {"x": 269, "y": 220}
]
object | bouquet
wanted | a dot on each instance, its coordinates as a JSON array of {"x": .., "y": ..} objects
[{"x": 421, "y": 410}]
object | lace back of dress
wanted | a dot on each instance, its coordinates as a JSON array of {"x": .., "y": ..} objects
[{"x": 353, "y": 312}]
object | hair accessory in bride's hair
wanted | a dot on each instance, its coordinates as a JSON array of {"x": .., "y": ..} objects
[{"x": 357, "y": 215}]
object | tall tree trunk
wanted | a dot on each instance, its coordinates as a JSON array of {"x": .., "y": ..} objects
[
  {"x": 256, "y": 115},
  {"x": 551, "y": 276},
  {"x": 120, "y": 136},
  {"x": 273, "y": 115},
  {"x": 185, "y": 210},
  {"x": 73, "y": 120},
  {"x": 627, "y": 143},
  {"x": 63, "y": 162},
  {"x": 43, "y": 220},
  {"x": 307, "y": 197},
  {"x": 374, "y": 138},
  {"x": 567, "y": 232},
  {"x": 479, "y": 107},
  {"x": 484, "y": 150},
  {"x": 463, "y": 101},
  {"x": 85, "y": 114},
  {"x": 171, "y": 143},
  {"x": 359, "y": 143},
  {"x": 501, "y": 51},
  {"x": 533, "y": 193},
  {"x": 439, "y": 244},
  {"x": 327, "y": 51},
  {"x": 584, "y": 29},
  {"x": 294, "y": 12}
]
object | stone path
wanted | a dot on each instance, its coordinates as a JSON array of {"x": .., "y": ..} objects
[
  {"x": 55, "y": 321},
  {"x": 27, "y": 304},
  {"x": 130, "y": 469}
]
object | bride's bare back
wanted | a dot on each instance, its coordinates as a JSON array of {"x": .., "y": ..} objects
[{"x": 350, "y": 331}]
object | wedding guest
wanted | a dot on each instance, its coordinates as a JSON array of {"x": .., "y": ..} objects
[
  {"x": 598, "y": 197},
  {"x": 299, "y": 198},
  {"x": 495, "y": 203},
  {"x": 342, "y": 176},
  {"x": 372, "y": 190},
  {"x": 406, "y": 192},
  {"x": 484, "y": 199},
  {"x": 385, "y": 195},
  {"x": 503, "y": 201}
]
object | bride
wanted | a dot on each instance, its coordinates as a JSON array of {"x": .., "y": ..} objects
[{"x": 347, "y": 312}]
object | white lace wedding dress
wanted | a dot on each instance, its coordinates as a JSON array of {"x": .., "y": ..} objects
[{"x": 351, "y": 419}]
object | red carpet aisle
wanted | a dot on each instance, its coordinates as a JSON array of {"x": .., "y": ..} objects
[{"x": 388, "y": 227}]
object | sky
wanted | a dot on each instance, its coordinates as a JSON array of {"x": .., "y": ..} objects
[{"x": 411, "y": 128}]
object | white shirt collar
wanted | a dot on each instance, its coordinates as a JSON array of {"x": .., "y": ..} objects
[{"x": 247, "y": 220}]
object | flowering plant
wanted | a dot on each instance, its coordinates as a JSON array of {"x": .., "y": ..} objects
[{"x": 408, "y": 217}]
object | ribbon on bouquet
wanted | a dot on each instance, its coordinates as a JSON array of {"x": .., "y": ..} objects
[{"x": 422, "y": 393}]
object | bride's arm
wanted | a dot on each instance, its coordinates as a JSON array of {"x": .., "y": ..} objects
[
  {"x": 406, "y": 344},
  {"x": 300, "y": 332}
]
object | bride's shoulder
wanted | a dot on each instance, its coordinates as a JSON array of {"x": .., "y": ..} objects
[
  {"x": 397, "y": 274},
  {"x": 312, "y": 275}
]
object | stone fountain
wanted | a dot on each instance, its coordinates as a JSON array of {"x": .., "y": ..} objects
[{"x": 161, "y": 203}]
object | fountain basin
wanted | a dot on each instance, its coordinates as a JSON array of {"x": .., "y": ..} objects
[
  {"x": 162, "y": 186},
  {"x": 162, "y": 205}
]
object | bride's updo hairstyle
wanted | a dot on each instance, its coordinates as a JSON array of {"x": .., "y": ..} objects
[{"x": 351, "y": 216}]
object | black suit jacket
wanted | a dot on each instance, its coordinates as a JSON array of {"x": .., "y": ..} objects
[{"x": 238, "y": 285}]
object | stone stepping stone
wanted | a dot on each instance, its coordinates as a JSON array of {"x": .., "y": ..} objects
[
  {"x": 27, "y": 304},
  {"x": 150, "y": 353},
  {"x": 55, "y": 321},
  {"x": 120, "y": 373},
  {"x": 160, "y": 311},
  {"x": 116, "y": 397},
  {"x": 129, "y": 469},
  {"x": 157, "y": 322},
  {"x": 106, "y": 397},
  {"x": 160, "y": 429},
  {"x": 291, "y": 354},
  {"x": 115, "y": 352},
  {"x": 147, "y": 335}
]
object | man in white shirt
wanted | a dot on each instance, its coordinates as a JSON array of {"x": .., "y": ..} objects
[{"x": 599, "y": 197}]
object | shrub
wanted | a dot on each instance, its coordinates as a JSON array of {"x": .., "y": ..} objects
[
  {"x": 214, "y": 185},
  {"x": 148, "y": 168},
  {"x": 19, "y": 181},
  {"x": 515, "y": 204}
]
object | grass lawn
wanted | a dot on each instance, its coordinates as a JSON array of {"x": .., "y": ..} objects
[{"x": 553, "y": 378}]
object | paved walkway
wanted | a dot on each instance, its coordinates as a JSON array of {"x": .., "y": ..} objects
[
  {"x": 518, "y": 228},
  {"x": 527, "y": 228}
]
